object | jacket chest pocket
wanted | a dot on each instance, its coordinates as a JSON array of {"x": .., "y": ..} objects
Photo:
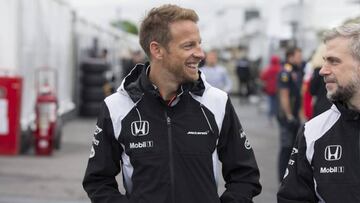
[
  {"x": 195, "y": 141},
  {"x": 337, "y": 165},
  {"x": 148, "y": 144}
]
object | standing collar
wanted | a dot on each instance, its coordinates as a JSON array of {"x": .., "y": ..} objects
[
  {"x": 138, "y": 82},
  {"x": 346, "y": 112}
]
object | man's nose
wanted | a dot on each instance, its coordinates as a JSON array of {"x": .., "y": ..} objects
[
  {"x": 199, "y": 53},
  {"x": 324, "y": 70}
]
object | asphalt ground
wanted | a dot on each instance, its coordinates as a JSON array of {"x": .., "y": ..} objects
[{"x": 57, "y": 178}]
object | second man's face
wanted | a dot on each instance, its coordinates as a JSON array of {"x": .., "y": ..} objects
[
  {"x": 184, "y": 51},
  {"x": 340, "y": 70}
]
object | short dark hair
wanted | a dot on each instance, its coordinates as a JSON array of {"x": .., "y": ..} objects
[
  {"x": 291, "y": 52},
  {"x": 155, "y": 25}
]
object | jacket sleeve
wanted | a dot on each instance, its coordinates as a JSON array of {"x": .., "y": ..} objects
[
  {"x": 298, "y": 185},
  {"x": 239, "y": 167},
  {"x": 104, "y": 163}
]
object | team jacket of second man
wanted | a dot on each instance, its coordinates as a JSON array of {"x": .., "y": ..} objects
[
  {"x": 325, "y": 163},
  {"x": 169, "y": 152}
]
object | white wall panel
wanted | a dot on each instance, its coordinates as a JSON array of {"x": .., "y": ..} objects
[
  {"x": 8, "y": 35},
  {"x": 45, "y": 41}
]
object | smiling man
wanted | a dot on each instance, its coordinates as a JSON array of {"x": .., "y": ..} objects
[
  {"x": 325, "y": 161},
  {"x": 166, "y": 128}
]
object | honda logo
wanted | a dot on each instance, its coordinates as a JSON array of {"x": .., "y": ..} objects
[
  {"x": 140, "y": 128},
  {"x": 333, "y": 152}
]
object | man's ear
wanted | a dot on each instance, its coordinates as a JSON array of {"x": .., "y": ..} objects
[{"x": 156, "y": 50}]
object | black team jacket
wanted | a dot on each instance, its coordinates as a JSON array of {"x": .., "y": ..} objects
[
  {"x": 325, "y": 161},
  {"x": 168, "y": 152}
]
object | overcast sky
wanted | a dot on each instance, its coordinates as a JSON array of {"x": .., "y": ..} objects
[
  {"x": 220, "y": 18},
  {"x": 102, "y": 11},
  {"x": 135, "y": 9}
]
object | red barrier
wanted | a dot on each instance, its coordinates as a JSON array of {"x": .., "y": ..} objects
[{"x": 10, "y": 109}]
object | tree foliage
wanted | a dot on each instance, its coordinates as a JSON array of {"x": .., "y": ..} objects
[{"x": 126, "y": 26}]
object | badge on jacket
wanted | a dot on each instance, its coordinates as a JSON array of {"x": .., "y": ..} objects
[{"x": 284, "y": 77}]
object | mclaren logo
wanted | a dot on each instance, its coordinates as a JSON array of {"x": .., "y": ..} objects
[
  {"x": 139, "y": 128},
  {"x": 333, "y": 152},
  {"x": 198, "y": 132}
]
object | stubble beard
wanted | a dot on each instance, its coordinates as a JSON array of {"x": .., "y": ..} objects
[
  {"x": 187, "y": 77},
  {"x": 345, "y": 93},
  {"x": 181, "y": 76}
]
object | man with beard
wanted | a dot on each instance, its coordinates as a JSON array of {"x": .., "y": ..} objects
[
  {"x": 166, "y": 128},
  {"x": 325, "y": 161}
]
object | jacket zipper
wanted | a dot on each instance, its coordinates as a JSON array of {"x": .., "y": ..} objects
[
  {"x": 206, "y": 118},
  {"x": 171, "y": 163}
]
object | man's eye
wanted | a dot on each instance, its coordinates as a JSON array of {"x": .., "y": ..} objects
[
  {"x": 332, "y": 61},
  {"x": 188, "y": 46}
]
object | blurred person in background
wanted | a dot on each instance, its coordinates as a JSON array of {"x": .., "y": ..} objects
[
  {"x": 269, "y": 78},
  {"x": 325, "y": 164},
  {"x": 289, "y": 93},
  {"x": 317, "y": 85},
  {"x": 166, "y": 128},
  {"x": 216, "y": 75},
  {"x": 105, "y": 55},
  {"x": 136, "y": 57},
  {"x": 244, "y": 77},
  {"x": 109, "y": 85}
]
